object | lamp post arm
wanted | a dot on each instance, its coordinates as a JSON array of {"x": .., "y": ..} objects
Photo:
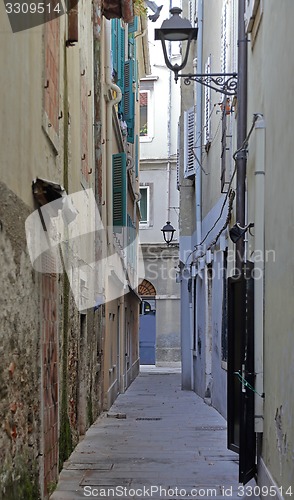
[{"x": 225, "y": 83}]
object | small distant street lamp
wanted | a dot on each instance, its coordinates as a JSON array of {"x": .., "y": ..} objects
[
  {"x": 168, "y": 233},
  {"x": 179, "y": 29}
]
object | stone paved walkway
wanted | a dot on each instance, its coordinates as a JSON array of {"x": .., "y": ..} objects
[{"x": 156, "y": 437}]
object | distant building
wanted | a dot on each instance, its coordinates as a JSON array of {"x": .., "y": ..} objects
[{"x": 159, "y": 203}]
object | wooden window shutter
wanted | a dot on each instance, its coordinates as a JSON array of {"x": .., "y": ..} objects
[
  {"x": 73, "y": 22},
  {"x": 129, "y": 99},
  {"x": 119, "y": 183},
  {"x": 189, "y": 143}
]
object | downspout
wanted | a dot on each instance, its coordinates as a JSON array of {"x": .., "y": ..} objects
[
  {"x": 109, "y": 86},
  {"x": 198, "y": 173},
  {"x": 198, "y": 150},
  {"x": 259, "y": 270},
  {"x": 169, "y": 131},
  {"x": 241, "y": 158}
]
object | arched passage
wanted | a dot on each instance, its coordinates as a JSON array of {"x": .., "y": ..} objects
[{"x": 147, "y": 341}]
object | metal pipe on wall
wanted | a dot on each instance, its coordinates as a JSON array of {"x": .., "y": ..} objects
[
  {"x": 198, "y": 150},
  {"x": 241, "y": 131},
  {"x": 168, "y": 168},
  {"x": 259, "y": 265}
]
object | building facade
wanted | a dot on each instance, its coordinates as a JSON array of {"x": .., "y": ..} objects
[
  {"x": 69, "y": 318},
  {"x": 159, "y": 202},
  {"x": 237, "y": 346}
]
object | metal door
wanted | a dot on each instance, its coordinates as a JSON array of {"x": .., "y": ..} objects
[
  {"x": 147, "y": 334},
  {"x": 241, "y": 435}
]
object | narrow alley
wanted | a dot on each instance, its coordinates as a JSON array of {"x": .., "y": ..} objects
[{"x": 156, "y": 441}]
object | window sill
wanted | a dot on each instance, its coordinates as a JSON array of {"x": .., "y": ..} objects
[{"x": 146, "y": 138}]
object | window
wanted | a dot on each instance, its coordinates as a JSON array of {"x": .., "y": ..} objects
[
  {"x": 207, "y": 108},
  {"x": 51, "y": 81},
  {"x": 253, "y": 14},
  {"x": 73, "y": 23},
  {"x": 119, "y": 190},
  {"x": 226, "y": 145},
  {"x": 146, "y": 110},
  {"x": 144, "y": 205},
  {"x": 144, "y": 113},
  {"x": 189, "y": 142},
  {"x": 224, "y": 38}
]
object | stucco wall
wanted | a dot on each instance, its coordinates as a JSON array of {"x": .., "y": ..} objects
[
  {"x": 160, "y": 269},
  {"x": 156, "y": 175},
  {"x": 271, "y": 76}
]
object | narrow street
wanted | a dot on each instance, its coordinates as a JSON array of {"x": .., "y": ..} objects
[{"x": 156, "y": 441}]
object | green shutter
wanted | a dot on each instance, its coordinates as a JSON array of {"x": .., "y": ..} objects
[
  {"x": 114, "y": 43},
  {"x": 119, "y": 183},
  {"x": 133, "y": 26},
  {"x": 121, "y": 57},
  {"x": 129, "y": 99}
]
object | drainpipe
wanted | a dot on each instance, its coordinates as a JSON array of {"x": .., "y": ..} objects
[
  {"x": 169, "y": 131},
  {"x": 259, "y": 270},
  {"x": 241, "y": 132},
  {"x": 109, "y": 86},
  {"x": 198, "y": 175}
]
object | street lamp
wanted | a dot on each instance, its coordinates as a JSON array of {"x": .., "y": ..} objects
[
  {"x": 179, "y": 29},
  {"x": 168, "y": 233}
]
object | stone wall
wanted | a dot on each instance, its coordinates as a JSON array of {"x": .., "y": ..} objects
[{"x": 20, "y": 409}]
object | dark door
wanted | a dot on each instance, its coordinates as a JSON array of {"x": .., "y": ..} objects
[
  {"x": 241, "y": 435},
  {"x": 147, "y": 334}
]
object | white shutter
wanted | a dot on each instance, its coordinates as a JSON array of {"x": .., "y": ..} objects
[
  {"x": 189, "y": 142},
  {"x": 178, "y": 157},
  {"x": 224, "y": 40},
  {"x": 226, "y": 146},
  {"x": 250, "y": 13},
  {"x": 207, "y": 107},
  {"x": 192, "y": 12}
]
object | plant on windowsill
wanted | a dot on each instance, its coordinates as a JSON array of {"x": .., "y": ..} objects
[
  {"x": 143, "y": 130},
  {"x": 140, "y": 8}
]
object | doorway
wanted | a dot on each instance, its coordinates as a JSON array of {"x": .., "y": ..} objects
[{"x": 147, "y": 338}]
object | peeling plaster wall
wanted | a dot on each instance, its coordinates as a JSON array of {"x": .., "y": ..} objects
[
  {"x": 25, "y": 363},
  {"x": 20, "y": 410}
]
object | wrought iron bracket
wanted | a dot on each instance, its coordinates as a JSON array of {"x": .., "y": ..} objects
[{"x": 225, "y": 83}]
